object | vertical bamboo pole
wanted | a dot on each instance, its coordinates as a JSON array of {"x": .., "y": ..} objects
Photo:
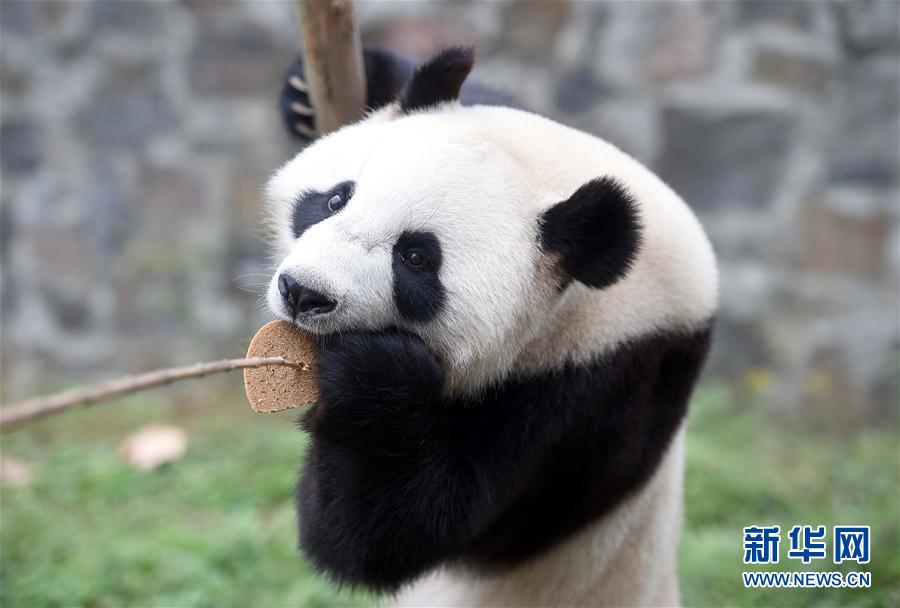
[{"x": 333, "y": 62}]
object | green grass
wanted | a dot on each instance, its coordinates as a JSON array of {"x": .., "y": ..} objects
[
  {"x": 217, "y": 528},
  {"x": 745, "y": 468}
]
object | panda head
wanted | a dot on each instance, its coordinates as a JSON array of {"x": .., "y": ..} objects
[{"x": 418, "y": 218}]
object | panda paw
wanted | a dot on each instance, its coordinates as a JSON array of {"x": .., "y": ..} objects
[
  {"x": 373, "y": 386},
  {"x": 296, "y": 109}
]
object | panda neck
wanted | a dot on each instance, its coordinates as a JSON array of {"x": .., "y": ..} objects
[{"x": 564, "y": 335}]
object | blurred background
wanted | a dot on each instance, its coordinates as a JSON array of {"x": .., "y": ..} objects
[{"x": 135, "y": 138}]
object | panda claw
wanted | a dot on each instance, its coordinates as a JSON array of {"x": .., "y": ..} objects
[
  {"x": 304, "y": 131},
  {"x": 297, "y": 83},
  {"x": 301, "y": 109}
]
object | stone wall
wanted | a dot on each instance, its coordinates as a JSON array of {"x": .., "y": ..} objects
[{"x": 135, "y": 137}]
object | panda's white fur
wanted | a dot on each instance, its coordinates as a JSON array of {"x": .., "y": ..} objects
[{"x": 480, "y": 177}]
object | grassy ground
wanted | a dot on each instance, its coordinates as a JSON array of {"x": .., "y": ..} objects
[
  {"x": 217, "y": 527},
  {"x": 745, "y": 469}
]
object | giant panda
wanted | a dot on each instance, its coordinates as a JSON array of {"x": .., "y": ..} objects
[{"x": 511, "y": 316}]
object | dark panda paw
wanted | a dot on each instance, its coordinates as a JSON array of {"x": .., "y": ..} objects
[
  {"x": 386, "y": 75},
  {"x": 375, "y": 386},
  {"x": 296, "y": 109}
]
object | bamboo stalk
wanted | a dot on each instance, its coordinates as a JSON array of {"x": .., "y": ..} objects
[
  {"x": 332, "y": 62},
  {"x": 39, "y": 407}
]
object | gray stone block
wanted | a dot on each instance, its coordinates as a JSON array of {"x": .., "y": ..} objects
[{"x": 717, "y": 160}]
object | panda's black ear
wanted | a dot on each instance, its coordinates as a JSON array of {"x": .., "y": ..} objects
[
  {"x": 439, "y": 79},
  {"x": 596, "y": 232}
]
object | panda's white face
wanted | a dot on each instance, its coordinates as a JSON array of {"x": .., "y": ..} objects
[{"x": 413, "y": 224}]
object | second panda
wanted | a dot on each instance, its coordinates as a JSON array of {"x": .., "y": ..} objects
[{"x": 512, "y": 316}]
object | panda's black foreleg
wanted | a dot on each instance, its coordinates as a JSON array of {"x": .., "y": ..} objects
[
  {"x": 385, "y": 494},
  {"x": 386, "y": 73},
  {"x": 296, "y": 108}
]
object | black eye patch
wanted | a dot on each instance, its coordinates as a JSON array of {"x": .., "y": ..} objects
[
  {"x": 313, "y": 207},
  {"x": 418, "y": 292}
]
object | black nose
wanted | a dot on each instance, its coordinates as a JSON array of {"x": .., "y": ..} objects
[{"x": 300, "y": 299}]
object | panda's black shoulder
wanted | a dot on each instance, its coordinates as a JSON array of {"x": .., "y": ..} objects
[{"x": 598, "y": 431}]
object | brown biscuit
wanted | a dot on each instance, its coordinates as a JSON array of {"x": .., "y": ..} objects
[{"x": 274, "y": 388}]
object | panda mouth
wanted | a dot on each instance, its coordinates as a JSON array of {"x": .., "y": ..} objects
[
  {"x": 318, "y": 320},
  {"x": 315, "y": 309}
]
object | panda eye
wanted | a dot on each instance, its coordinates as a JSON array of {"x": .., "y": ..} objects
[
  {"x": 415, "y": 259},
  {"x": 336, "y": 203}
]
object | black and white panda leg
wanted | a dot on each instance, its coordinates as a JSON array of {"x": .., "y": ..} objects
[{"x": 384, "y": 495}]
